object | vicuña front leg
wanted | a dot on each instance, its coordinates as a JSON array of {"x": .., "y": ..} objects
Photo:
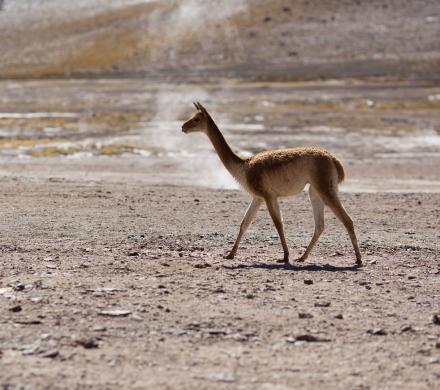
[
  {"x": 248, "y": 217},
  {"x": 275, "y": 213},
  {"x": 318, "y": 215}
]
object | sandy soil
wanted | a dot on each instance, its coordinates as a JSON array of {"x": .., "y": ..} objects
[{"x": 123, "y": 285}]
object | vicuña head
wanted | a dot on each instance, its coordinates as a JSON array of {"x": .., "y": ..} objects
[
  {"x": 198, "y": 121},
  {"x": 277, "y": 173}
]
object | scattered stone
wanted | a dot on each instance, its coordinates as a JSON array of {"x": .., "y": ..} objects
[
  {"x": 407, "y": 328},
  {"x": 339, "y": 316},
  {"x": 50, "y": 354},
  {"x": 437, "y": 344},
  {"x": 372, "y": 261},
  {"x": 15, "y": 309},
  {"x": 250, "y": 296},
  {"x": 216, "y": 332},
  {"x": 202, "y": 265},
  {"x": 436, "y": 319},
  {"x": 377, "y": 332},
  {"x": 18, "y": 287},
  {"x": 370, "y": 103},
  {"x": 28, "y": 322},
  {"x": 219, "y": 290},
  {"x": 337, "y": 253},
  {"x": 133, "y": 253},
  {"x": 322, "y": 304},
  {"x": 310, "y": 338},
  {"x": 115, "y": 313},
  {"x": 87, "y": 343},
  {"x": 305, "y": 315},
  {"x": 308, "y": 281}
]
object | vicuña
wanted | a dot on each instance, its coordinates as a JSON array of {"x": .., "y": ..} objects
[{"x": 278, "y": 173}]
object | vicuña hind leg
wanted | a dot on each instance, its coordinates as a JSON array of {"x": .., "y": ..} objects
[
  {"x": 275, "y": 213},
  {"x": 318, "y": 214},
  {"x": 248, "y": 217},
  {"x": 332, "y": 200}
]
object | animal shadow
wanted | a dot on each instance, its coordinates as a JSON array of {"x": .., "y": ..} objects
[{"x": 295, "y": 267}]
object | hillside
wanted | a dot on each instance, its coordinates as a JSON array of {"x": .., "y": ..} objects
[{"x": 273, "y": 39}]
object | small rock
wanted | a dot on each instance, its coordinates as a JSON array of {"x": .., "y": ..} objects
[
  {"x": 202, "y": 265},
  {"x": 28, "y": 322},
  {"x": 133, "y": 253},
  {"x": 250, "y": 296},
  {"x": 216, "y": 332},
  {"x": 407, "y": 328},
  {"x": 18, "y": 287},
  {"x": 436, "y": 319},
  {"x": 219, "y": 290},
  {"x": 115, "y": 313},
  {"x": 370, "y": 103},
  {"x": 15, "y": 309},
  {"x": 308, "y": 281},
  {"x": 322, "y": 304},
  {"x": 339, "y": 316},
  {"x": 305, "y": 315},
  {"x": 377, "y": 332},
  {"x": 337, "y": 253},
  {"x": 310, "y": 338},
  {"x": 50, "y": 354},
  {"x": 88, "y": 343}
]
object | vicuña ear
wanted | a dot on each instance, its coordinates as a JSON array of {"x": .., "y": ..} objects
[
  {"x": 201, "y": 108},
  {"x": 195, "y": 105}
]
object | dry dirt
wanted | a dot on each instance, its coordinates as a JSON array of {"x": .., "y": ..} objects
[{"x": 123, "y": 285}]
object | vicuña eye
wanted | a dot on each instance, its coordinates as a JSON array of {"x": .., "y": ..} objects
[{"x": 197, "y": 119}]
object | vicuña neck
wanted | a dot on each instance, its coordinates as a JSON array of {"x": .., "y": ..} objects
[{"x": 230, "y": 160}]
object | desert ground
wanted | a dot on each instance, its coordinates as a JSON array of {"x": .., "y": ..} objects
[
  {"x": 114, "y": 224},
  {"x": 110, "y": 285}
]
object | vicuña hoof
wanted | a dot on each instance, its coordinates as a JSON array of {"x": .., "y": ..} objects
[
  {"x": 300, "y": 259},
  {"x": 229, "y": 256},
  {"x": 282, "y": 261},
  {"x": 359, "y": 263},
  {"x": 285, "y": 260}
]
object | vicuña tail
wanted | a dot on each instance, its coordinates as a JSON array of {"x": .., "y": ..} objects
[{"x": 340, "y": 169}]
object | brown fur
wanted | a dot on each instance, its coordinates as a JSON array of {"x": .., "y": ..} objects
[{"x": 276, "y": 173}]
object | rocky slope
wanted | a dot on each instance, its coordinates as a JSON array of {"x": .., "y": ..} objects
[{"x": 275, "y": 39}]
